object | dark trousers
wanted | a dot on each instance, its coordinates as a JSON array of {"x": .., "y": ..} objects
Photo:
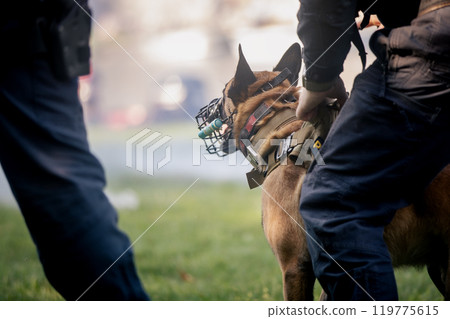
[
  {"x": 390, "y": 140},
  {"x": 58, "y": 185}
]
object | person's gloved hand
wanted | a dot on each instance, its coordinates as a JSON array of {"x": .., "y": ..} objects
[{"x": 310, "y": 100}]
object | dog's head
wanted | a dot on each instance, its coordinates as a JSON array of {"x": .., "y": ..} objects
[{"x": 244, "y": 93}]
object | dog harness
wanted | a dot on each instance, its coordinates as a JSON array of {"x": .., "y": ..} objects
[{"x": 301, "y": 146}]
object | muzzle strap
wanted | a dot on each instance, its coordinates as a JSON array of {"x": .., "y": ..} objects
[{"x": 275, "y": 81}]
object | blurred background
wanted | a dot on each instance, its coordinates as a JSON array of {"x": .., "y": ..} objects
[{"x": 154, "y": 65}]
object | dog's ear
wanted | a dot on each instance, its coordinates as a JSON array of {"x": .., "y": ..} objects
[
  {"x": 292, "y": 60},
  {"x": 243, "y": 78}
]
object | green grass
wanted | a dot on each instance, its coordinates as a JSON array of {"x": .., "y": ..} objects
[
  {"x": 21, "y": 275},
  {"x": 208, "y": 246}
]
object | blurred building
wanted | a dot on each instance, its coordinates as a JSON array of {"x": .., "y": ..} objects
[{"x": 179, "y": 54}]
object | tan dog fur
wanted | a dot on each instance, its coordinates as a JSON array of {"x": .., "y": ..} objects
[{"x": 418, "y": 235}]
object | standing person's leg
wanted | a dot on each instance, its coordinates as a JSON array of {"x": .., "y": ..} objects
[
  {"x": 378, "y": 155},
  {"x": 58, "y": 184}
]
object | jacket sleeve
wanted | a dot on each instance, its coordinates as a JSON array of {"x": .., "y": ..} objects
[{"x": 322, "y": 30}]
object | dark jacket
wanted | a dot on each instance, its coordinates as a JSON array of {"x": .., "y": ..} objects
[{"x": 325, "y": 30}]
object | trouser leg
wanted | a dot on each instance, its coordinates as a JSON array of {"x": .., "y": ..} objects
[
  {"x": 378, "y": 156},
  {"x": 58, "y": 184}
]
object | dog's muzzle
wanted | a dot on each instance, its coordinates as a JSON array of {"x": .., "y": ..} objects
[{"x": 216, "y": 128}]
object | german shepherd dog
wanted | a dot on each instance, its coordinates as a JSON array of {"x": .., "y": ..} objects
[{"x": 417, "y": 236}]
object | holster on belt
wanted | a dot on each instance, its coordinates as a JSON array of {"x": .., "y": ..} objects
[{"x": 69, "y": 42}]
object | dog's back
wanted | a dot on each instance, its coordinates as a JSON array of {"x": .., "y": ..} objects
[{"x": 419, "y": 234}]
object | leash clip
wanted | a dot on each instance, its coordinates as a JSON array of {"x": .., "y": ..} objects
[{"x": 253, "y": 157}]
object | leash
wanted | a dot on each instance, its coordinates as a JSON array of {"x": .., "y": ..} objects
[{"x": 357, "y": 41}]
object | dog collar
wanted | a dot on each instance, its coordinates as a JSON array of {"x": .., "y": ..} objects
[{"x": 249, "y": 129}]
